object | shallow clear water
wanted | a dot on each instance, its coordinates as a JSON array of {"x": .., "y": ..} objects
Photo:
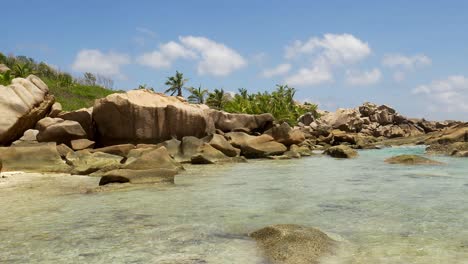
[{"x": 384, "y": 213}]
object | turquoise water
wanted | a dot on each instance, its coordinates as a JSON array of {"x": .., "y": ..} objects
[{"x": 383, "y": 213}]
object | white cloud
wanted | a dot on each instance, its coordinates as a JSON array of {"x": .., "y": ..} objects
[
  {"x": 278, "y": 70},
  {"x": 326, "y": 53},
  {"x": 359, "y": 78},
  {"x": 406, "y": 62},
  {"x": 216, "y": 58},
  {"x": 146, "y": 31},
  {"x": 166, "y": 55},
  {"x": 332, "y": 49},
  {"x": 95, "y": 61},
  {"x": 449, "y": 95},
  {"x": 310, "y": 76}
]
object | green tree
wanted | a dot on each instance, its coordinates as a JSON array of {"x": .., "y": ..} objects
[
  {"x": 89, "y": 78},
  {"x": 217, "y": 99},
  {"x": 176, "y": 83},
  {"x": 197, "y": 95}
]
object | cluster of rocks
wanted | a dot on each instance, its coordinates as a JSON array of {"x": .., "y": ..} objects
[
  {"x": 143, "y": 136},
  {"x": 138, "y": 136},
  {"x": 365, "y": 123}
]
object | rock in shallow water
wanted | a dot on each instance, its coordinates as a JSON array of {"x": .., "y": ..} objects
[
  {"x": 294, "y": 244},
  {"x": 411, "y": 160},
  {"x": 341, "y": 151}
]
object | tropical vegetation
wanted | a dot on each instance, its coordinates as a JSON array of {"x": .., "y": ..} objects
[
  {"x": 72, "y": 93},
  {"x": 176, "y": 83}
]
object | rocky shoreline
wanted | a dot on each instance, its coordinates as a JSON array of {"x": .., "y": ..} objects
[{"x": 145, "y": 137}]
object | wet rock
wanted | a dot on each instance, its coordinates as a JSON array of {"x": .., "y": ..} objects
[
  {"x": 294, "y": 244},
  {"x": 304, "y": 151},
  {"x": 139, "y": 176},
  {"x": 341, "y": 151},
  {"x": 41, "y": 157},
  {"x": 238, "y": 139},
  {"x": 411, "y": 160},
  {"x": 79, "y": 144},
  {"x": 85, "y": 162}
]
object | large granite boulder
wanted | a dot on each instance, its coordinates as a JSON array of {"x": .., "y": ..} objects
[
  {"x": 294, "y": 244},
  {"x": 348, "y": 120},
  {"x": 411, "y": 160},
  {"x": 285, "y": 134},
  {"x": 41, "y": 157},
  {"x": 59, "y": 130},
  {"x": 84, "y": 117},
  {"x": 142, "y": 116},
  {"x": 22, "y": 104},
  {"x": 306, "y": 119},
  {"x": 342, "y": 152},
  {"x": 228, "y": 122}
]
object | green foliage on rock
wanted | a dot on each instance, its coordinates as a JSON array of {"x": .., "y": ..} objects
[{"x": 280, "y": 103}]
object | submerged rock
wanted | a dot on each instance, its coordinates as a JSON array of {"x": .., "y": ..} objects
[
  {"x": 341, "y": 151},
  {"x": 411, "y": 160},
  {"x": 294, "y": 244},
  {"x": 40, "y": 157},
  {"x": 138, "y": 176}
]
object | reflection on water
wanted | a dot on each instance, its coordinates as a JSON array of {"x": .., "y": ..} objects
[{"x": 385, "y": 213}]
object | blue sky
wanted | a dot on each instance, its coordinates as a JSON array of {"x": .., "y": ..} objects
[{"x": 412, "y": 55}]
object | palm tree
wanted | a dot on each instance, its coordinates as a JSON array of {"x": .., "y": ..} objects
[
  {"x": 217, "y": 99},
  {"x": 176, "y": 83},
  {"x": 197, "y": 95}
]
